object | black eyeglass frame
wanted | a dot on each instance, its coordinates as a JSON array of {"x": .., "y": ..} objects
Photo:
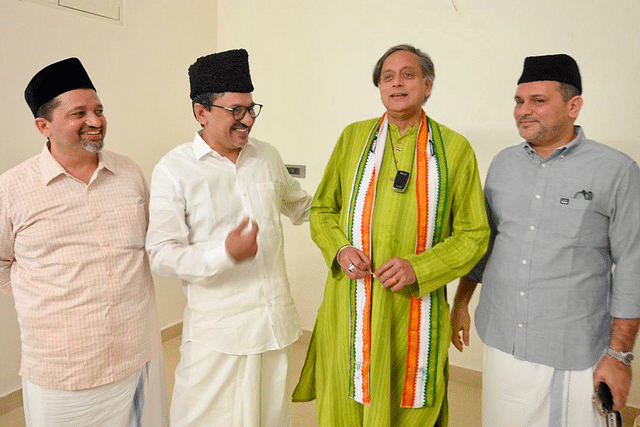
[{"x": 242, "y": 110}]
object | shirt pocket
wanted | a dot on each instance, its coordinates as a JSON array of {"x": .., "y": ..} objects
[
  {"x": 129, "y": 223},
  {"x": 269, "y": 206},
  {"x": 578, "y": 219}
]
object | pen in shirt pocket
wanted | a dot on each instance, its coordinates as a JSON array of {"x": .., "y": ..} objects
[{"x": 584, "y": 194}]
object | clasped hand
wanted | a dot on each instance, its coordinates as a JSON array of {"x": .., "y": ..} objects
[
  {"x": 242, "y": 244},
  {"x": 395, "y": 273}
]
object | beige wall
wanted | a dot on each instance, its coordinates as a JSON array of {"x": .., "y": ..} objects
[
  {"x": 311, "y": 64},
  {"x": 140, "y": 70}
]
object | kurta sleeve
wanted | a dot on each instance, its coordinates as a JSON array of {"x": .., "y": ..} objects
[
  {"x": 7, "y": 242},
  {"x": 170, "y": 251},
  {"x": 476, "y": 272},
  {"x": 466, "y": 220},
  {"x": 326, "y": 208}
]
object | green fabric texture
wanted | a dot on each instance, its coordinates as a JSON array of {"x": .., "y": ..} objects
[{"x": 465, "y": 230}]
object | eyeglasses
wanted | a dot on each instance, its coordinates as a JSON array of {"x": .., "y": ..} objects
[{"x": 240, "y": 110}]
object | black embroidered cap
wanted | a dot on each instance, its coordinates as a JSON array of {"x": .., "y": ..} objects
[
  {"x": 559, "y": 67},
  {"x": 56, "y": 79},
  {"x": 221, "y": 72}
]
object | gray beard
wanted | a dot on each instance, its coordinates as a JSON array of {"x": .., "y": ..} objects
[{"x": 91, "y": 148}]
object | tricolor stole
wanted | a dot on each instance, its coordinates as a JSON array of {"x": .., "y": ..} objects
[{"x": 423, "y": 330}]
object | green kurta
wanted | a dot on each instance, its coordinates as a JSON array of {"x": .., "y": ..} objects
[{"x": 325, "y": 375}]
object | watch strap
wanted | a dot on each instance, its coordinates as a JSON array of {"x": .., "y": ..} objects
[{"x": 624, "y": 357}]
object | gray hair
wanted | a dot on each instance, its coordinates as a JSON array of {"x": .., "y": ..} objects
[
  {"x": 428, "y": 70},
  {"x": 568, "y": 91},
  {"x": 206, "y": 99},
  {"x": 45, "y": 111}
]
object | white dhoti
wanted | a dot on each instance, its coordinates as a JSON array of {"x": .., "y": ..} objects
[
  {"x": 516, "y": 393},
  {"x": 139, "y": 400},
  {"x": 216, "y": 389}
]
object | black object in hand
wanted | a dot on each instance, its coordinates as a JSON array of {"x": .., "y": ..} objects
[{"x": 603, "y": 399}]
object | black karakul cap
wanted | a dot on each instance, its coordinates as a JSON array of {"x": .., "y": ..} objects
[
  {"x": 221, "y": 72},
  {"x": 559, "y": 68},
  {"x": 56, "y": 79}
]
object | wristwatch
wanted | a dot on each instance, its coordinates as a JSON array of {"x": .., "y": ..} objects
[{"x": 624, "y": 357}]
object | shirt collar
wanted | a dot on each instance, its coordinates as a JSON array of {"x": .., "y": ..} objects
[
  {"x": 201, "y": 148},
  {"x": 50, "y": 168},
  {"x": 565, "y": 150}
]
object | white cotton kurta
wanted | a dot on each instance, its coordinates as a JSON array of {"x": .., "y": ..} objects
[
  {"x": 239, "y": 316},
  {"x": 197, "y": 198}
]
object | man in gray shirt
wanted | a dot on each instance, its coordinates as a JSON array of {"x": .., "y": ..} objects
[{"x": 556, "y": 315}]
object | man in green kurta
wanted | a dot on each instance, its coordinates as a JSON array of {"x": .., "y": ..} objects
[{"x": 399, "y": 214}]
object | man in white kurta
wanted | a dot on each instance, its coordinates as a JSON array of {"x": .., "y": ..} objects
[{"x": 215, "y": 224}]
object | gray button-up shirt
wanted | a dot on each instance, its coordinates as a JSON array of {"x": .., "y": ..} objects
[{"x": 558, "y": 226}]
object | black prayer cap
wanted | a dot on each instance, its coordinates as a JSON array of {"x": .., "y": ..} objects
[
  {"x": 559, "y": 68},
  {"x": 221, "y": 72},
  {"x": 56, "y": 79}
]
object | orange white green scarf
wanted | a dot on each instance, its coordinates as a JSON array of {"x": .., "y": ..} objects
[{"x": 423, "y": 332}]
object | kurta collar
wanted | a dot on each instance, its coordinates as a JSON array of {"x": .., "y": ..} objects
[{"x": 51, "y": 169}]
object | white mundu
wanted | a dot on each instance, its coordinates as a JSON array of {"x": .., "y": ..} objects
[
  {"x": 138, "y": 400},
  {"x": 217, "y": 389},
  {"x": 517, "y": 393}
]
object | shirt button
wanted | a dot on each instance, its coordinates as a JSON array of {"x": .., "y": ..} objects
[
  {"x": 544, "y": 165},
  {"x": 524, "y": 261},
  {"x": 521, "y": 294},
  {"x": 532, "y": 228},
  {"x": 520, "y": 325},
  {"x": 538, "y": 196}
]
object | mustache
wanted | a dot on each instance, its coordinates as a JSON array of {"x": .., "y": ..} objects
[
  {"x": 527, "y": 119},
  {"x": 239, "y": 126},
  {"x": 91, "y": 128}
]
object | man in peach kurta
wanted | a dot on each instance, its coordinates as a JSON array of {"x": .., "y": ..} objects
[{"x": 72, "y": 228}]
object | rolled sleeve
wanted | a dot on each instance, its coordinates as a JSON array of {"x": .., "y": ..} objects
[{"x": 624, "y": 237}]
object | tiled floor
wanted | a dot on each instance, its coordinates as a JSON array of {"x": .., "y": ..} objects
[{"x": 464, "y": 400}]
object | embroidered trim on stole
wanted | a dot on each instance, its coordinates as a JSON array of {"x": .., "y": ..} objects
[{"x": 420, "y": 378}]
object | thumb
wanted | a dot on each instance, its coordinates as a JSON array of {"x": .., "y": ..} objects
[
  {"x": 465, "y": 336},
  {"x": 241, "y": 226},
  {"x": 253, "y": 233}
]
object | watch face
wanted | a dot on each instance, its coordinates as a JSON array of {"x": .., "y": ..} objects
[{"x": 628, "y": 358}]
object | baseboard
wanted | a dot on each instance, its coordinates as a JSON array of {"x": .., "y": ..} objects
[
  {"x": 13, "y": 400},
  {"x": 171, "y": 331}
]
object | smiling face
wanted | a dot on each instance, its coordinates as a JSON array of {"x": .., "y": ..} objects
[
  {"x": 543, "y": 117},
  {"x": 220, "y": 130},
  {"x": 403, "y": 88},
  {"x": 77, "y": 121}
]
